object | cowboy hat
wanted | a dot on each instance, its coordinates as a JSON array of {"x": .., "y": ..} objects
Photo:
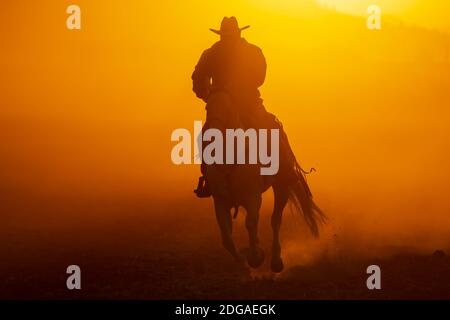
[{"x": 229, "y": 26}]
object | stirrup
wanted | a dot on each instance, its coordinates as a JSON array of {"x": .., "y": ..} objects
[{"x": 202, "y": 190}]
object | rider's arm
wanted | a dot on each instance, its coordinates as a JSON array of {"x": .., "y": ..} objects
[
  {"x": 259, "y": 68},
  {"x": 201, "y": 78}
]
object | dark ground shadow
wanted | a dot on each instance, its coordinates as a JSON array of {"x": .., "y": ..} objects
[{"x": 139, "y": 254}]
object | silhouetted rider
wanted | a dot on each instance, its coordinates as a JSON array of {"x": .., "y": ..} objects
[
  {"x": 237, "y": 68},
  {"x": 231, "y": 65}
]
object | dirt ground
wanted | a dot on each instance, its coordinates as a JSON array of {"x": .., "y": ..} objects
[{"x": 132, "y": 250}]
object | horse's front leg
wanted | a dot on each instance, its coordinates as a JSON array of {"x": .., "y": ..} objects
[
  {"x": 255, "y": 255},
  {"x": 281, "y": 197},
  {"x": 223, "y": 216}
]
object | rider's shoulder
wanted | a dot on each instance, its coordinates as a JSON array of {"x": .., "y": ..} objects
[
  {"x": 216, "y": 46},
  {"x": 219, "y": 46},
  {"x": 210, "y": 51},
  {"x": 251, "y": 46}
]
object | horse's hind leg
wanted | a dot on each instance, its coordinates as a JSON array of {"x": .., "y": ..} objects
[
  {"x": 281, "y": 196},
  {"x": 223, "y": 216},
  {"x": 255, "y": 255}
]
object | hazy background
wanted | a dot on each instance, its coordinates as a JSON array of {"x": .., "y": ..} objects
[{"x": 86, "y": 117}]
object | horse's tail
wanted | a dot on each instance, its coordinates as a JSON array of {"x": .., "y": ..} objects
[
  {"x": 300, "y": 195},
  {"x": 301, "y": 198}
]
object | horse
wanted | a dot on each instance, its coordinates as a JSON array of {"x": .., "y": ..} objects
[{"x": 234, "y": 186}]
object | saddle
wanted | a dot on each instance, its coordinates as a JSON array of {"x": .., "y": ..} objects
[{"x": 257, "y": 118}]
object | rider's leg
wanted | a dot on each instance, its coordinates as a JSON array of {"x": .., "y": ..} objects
[{"x": 203, "y": 190}]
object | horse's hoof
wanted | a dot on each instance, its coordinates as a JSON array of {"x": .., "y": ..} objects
[
  {"x": 255, "y": 260},
  {"x": 277, "y": 265}
]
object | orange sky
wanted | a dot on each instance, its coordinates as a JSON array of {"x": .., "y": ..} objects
[
  {"x": 91, "y": 111},
  {"x": 431, "y": 14}
]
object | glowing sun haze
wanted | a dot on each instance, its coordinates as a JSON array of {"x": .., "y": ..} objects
[
  {"x": 427, "y": 13},
  {"x": 91, "y": 112}
]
